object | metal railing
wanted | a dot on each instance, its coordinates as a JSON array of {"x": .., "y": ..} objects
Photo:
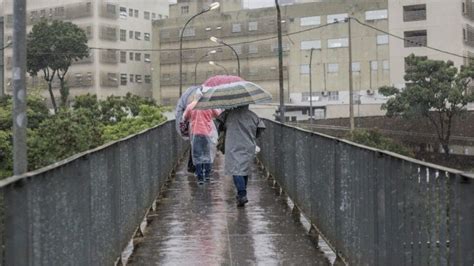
[
  {"x": 374, "y": 207},
  {"x": 84, "y": 210}
]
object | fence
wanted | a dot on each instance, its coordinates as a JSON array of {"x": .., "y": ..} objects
[
  {"x": 374, "y": 207},
  {"x": 85, "y": 210}
]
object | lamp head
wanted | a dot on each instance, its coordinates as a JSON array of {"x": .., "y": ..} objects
[
  {"x": 212, "y": 63},
  {"x": 215, "y": 39},
  {"x": 212, "y": 52},
  {"x": 214, "y": 5}
]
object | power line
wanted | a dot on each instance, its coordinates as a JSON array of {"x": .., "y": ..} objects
[{"x": 410, "y": 41}]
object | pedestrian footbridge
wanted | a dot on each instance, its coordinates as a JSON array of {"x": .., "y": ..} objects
[{"x": 132, "y": 202}]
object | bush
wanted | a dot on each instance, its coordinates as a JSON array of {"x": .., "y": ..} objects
[{"x": 373, "y": 138}]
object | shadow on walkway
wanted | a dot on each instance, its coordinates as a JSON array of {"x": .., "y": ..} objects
[{"x": 201, "y": 225}]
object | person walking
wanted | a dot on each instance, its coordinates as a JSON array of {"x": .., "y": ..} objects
[
  {"x": 203, "y": 135},
  {"x": 242, "y": 128},
  {"x": 180, "y": 108}
]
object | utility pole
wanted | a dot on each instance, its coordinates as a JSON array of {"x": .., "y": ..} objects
[
  {"x": 280, "y": 64},
  {"x": 351, "y": 87},
  {"x": 20, "y": 165},
  {"x": 311, "y": 86},
  {"x": 2, "y": 45}
]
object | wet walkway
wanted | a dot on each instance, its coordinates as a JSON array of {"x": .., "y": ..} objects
[{"x": 201, "y": 225}]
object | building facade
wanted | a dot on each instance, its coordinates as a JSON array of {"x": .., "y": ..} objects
[
  {"x": 420, "y": 23},
  {"x": 119, "y": 34},
  {"x": 2, "y": 71},
  {"x": 252, "y": 33}
]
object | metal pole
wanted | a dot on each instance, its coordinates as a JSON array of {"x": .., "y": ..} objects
[
  {"x": 195, "y": 68},
  {"x": 311, "y": 86},
  {"x": 181, "y": 50},
  {"x": 2, "y": 45},
  {"x": 237, "y": 55},
  {"x": 351, "y": 87},
  {"x": 280, "y": 64},
  {"x": 20, "y": 165},
  {"x": 221, "y": 66}
]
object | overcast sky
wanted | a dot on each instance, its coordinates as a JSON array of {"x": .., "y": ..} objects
[{"x": 251, "y": 3}]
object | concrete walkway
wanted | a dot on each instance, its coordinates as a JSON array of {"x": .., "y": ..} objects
[{"x": 201, "y": 225}]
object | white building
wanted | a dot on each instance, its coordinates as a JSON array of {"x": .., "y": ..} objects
[{"x": 119, "y": 35}]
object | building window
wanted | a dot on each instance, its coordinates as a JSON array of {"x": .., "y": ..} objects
[
  {"x": 310, "y": 21},
  {"x": 123, "y": 57},
  {"x": 147, "y": 58},
  {"x": 374, "y": 65},
  {"x": 386, "y": 65},
  {"x": 166, "y": 77},
  {"x": 338, "y": 43},
  {"x": 138, "y": 56},
  {"x": 138, "y": 78},
  {"x": 337, "y": 18},
  {"x": 333, "y": 68},
  {"x": 110, "y": 9},
  {"x": 123, "y": 79},
  {"x": 238, "y": 49},
  {"x": 414, "y": 13},
  {"x": 130, "y": 12},
  {"x": 147, "y": 79},
  {"x": 307, "y": 45},
  {"x": 304, "y": 69},
  {"x": 135, "y": 12},
  {"x": 131, "y": 78},
  {"x": 146, "y": 37},
  {"x": 189, "y": 32},
  {"x": 253, "y": 49},
  {"x": 356, "y": 67},
  {"x": 146, "y": 15},
  {"x": 236, "y": 27},
  {"x": 253, "y": 26},
  {"x": 130, "y": 34},
  {"x": 382, "y": 39},
  {"x": 415, "y": 38},
  {"x": 123, "y": 35},
  {"x": 184, "y": 10},
  {"x": 376, "y": 14},
  {"x": 123, "y": 12},
  {"x": 333, "y": 95},
  {"x": 153, "y": 15},
  {"x": 130, "y": 57},
  {"x": 138, "y": 35}
]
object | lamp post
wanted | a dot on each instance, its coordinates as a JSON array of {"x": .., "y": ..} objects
[
  {"x": 199, "y": 61},
  {"x": 280, "y": 63},
  {"x": 219, "y": 41},
  {"x": 218, "y": 65},
  {"x": 311, "y": 86},
  {"x": 211, "y": 7}
]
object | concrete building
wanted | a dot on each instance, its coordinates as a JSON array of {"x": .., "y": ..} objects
[
  {"x": 446, "y": 25},
  {"x": 252, "y": 32},
  {"x": 119, "y": 35},
  {"x": 2, "y": 71}
]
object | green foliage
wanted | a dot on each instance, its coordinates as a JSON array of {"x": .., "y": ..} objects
[
  {"x": 62, "y": 135},
  {"x": 435, "y": 90},
  {"x": 6, "y": 161},
  {"x": 90, "y": 123},
  {"x": 148, "y": 116},
  {"x": 51, "y": 49},
  {"x": 375, "y": 139}
]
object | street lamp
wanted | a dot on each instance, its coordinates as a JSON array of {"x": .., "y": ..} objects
[
  {"x": 221, "y": 66},
  {"x": 209, "y": 8},
  {"x": 219, "y": 41},
  {"x": 199, "y": 61},
  {"x": 311, "y": 86}
]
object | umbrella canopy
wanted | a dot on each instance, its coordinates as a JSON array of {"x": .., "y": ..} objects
[{"x": 230, "y": 92}]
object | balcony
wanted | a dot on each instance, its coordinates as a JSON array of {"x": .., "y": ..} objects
[
  {"x": 108, "y": 33},
  {"x": 108, "y": 10},
  {"x": 468, "y": 35},
  {"x": 468, "y": 9},
  {"x": 109, "y": 57},
  {"x": 414, "y": 13},
  {"x": 108, "y": 79},
  {"x": 416, "y": 38},
  {"x": 80, "y": 80},
  {"x": 85, "y": 60}
]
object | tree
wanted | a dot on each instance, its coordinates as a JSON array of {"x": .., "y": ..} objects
[
  {"x": 435, "y": 90},
  {"x": 51, "y": 49}
]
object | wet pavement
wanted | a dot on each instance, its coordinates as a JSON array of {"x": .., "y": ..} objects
[{"x": 201, "y": 225}]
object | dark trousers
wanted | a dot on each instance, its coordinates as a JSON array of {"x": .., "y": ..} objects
[{"x": 240, "y": 183}]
